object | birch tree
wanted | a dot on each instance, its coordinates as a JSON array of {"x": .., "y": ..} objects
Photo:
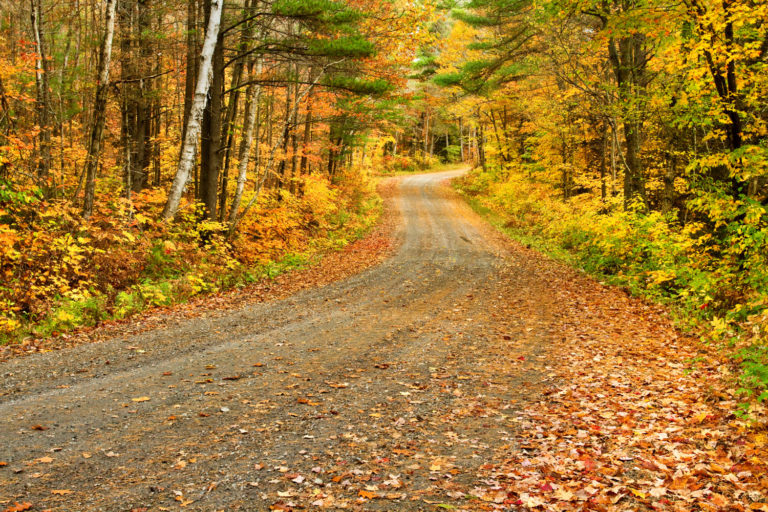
[
  {"x": 192, "y": 131},
  {"x": 43, "y": 100},
  {"x": 245, "y": 147}
]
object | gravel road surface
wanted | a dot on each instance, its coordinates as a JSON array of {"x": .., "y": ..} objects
[{"x": 384, "y": 391}]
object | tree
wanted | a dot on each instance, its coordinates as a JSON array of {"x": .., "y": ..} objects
[
  {"x": 629, "y": 53},
  {"x": 99, "y": 110},
  {"x": 137, "y": 112},
  {"x": 252, "y": 109},
  {"x": 43, "y": 97},
  {"x": 187, "y": 155}
]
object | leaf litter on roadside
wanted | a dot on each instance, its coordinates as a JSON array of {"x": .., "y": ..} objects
[{"x": 631, "y": 424}]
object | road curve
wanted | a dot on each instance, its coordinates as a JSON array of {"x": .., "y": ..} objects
[{"x": 293, "y": 403}]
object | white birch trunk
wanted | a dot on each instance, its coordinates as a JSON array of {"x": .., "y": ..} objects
[
  {"x": 187, "y": 156},
  {"x": 271, "y": 160},
  {"x": 43, "y": 100},
  {"x": 245, "y": 148}
]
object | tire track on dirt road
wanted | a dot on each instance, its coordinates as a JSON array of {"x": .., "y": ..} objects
[{"x": 214, "y": 413}]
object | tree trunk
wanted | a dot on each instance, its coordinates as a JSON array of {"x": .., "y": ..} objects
[
  {"x": 628, "y": 60},
  {"x": 603, "y": 164},
  {"x": 281, "y": 175},
  {"x": 498, "y": 138},
  {"x": 43, "y": 99},
  {"x": 481, "y": 143},
  {"x": 303, "y": 167},
  {"x": 190, "y": 79},
  {"x": 6, "y": 125},
  {"x": 99, "y": 111},
  {"x": 251, "y": 120},
  {"x": 143, "y": 136},
  {"x": 210, "y": 145},
  {"x": 294, "y": 137},
  {"x": 228, "y": 131},
  {"x": 187, "y": 156},
  {"x": 668, "y": 199},
  {"x": 504, "y": 118}
]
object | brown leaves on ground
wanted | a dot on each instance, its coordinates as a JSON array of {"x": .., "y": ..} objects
[
  {"x": 561, "y": 395},
  {"x": 642, "y": 418}
]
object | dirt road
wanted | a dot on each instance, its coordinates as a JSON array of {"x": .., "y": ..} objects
[{"x": 371, "y": 393}]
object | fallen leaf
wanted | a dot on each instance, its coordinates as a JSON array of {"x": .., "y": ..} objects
[
  {"x": 563, "y": 495},
  {"x": 61, "y": 492},
  {"x": 141, "y": 399},
  {"x": 19, "y": 507}
]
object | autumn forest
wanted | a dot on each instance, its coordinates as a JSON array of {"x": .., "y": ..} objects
[{"x": 169, "y": 158}]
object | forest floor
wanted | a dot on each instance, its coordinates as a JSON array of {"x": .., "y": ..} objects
[{"x": 462, "y": 372}]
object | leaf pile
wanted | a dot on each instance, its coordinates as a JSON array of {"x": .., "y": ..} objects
[{"x": 642, "y": 418}]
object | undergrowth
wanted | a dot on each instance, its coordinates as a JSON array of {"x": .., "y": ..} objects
[{"x": 61, "y": 274}]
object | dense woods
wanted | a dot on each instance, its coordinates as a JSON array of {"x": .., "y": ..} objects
[
  {"x": 629, "y": 137},
  {"x": 222, "y": 288},
  {"x": 153, "y": 150}
]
